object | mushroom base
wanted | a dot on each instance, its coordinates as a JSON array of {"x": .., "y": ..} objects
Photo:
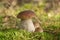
[{"x": 27, "y": 25}]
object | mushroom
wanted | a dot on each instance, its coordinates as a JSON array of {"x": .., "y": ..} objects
[
  {"x": 26, "y": 20},
  {"x": 37, "y": 26}
]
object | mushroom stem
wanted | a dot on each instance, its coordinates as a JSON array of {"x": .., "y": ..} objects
[{"x": 27, "y": 24}]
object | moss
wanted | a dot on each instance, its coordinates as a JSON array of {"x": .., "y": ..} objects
[{"x": 15, "y": 34}]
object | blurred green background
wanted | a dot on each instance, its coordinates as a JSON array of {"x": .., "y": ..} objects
[{"x": 48, "y": 12}]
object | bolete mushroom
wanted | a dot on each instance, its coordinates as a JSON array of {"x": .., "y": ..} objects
[
  {"x": 26, "y": 20},
  {"x": 38, "y": 27}
]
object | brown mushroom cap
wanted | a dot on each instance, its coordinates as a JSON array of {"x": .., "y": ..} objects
[{"x": 26, "y": 14}]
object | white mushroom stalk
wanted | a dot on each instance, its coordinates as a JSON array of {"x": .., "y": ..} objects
[{"x": 27, "y": 25}]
